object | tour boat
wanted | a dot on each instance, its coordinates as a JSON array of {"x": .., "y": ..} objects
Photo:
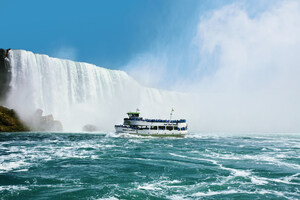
[{"x": 137, "y": 125}]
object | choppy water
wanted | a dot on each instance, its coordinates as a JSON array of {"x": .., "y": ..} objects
[{"x": 106, "y": 166}]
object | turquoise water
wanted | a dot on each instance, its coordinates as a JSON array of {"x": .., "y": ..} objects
[{"x": 108, "y": 166}]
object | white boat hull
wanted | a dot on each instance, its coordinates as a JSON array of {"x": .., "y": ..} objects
[{"x": 149, "y": 132}]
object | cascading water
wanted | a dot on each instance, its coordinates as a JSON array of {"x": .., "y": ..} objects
[{"x": 79, "y": 93}]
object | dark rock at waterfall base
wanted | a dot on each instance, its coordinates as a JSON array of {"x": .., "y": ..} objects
[
  {"x": 90, "y": 128},
  {"x": 9, "y": 121},
  {"x": 47, "y": 123},
  {"x": 44, "y": 123},
  {"x": 5, "y": 74}
]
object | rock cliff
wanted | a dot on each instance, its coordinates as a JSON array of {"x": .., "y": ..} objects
[
  {"x": 5, "y": 75},
  {"x": 9, "y": 121}
]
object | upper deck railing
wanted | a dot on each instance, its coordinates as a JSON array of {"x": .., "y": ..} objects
[{"x": 157, "y": 120}]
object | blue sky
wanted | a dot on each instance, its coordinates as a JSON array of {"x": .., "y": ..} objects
[
  {"x": 107, "y": 33},
  {"x": 152, "y": 40}
]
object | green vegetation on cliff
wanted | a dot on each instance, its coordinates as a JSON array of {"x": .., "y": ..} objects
[{"x": 9, "y": 121}]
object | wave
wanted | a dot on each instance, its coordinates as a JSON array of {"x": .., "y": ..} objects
[
  {"x": 12, "y": 165},
  {"x": 262, "y": 192},
  {"x": 160, "y": 185}
]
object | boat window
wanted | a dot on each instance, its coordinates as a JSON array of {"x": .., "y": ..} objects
[
  {"x": 161, "y": 127},
  {"x": 170, "y": 128},
  {"x": 175, "y": 127},
  {"x": 143, "y": 127},
  {"x": 153, "y": 127}
]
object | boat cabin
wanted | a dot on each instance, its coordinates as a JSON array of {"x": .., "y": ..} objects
[{"x": 133, "y": 115}]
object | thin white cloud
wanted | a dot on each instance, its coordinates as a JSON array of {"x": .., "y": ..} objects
[
  {"x": 147, "y": 69},
  {"x": 65, "y": 52}
]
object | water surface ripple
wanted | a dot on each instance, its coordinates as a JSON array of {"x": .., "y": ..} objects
[{"x": 107, "y": 166}]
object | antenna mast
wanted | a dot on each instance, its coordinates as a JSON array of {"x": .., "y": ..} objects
[{"x": 171, "y": 114}]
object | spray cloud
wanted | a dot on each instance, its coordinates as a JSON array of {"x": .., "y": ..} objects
[{"x": 244, "y": 75}]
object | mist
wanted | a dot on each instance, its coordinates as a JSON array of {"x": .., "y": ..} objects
[{"x": 241, "y": 71}]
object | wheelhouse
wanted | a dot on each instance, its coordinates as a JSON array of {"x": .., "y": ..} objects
[{"x": 133, "y": 115}]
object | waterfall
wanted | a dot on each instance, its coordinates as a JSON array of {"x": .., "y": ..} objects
[{"x": 78, "y": 93}]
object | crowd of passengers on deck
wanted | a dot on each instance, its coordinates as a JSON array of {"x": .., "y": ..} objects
[
  {"x": 159, "y": 128},
  {"x": 157, "y": 120}
]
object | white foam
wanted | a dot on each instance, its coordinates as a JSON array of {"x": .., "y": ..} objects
[
  {"x": 258, "y": 181},
  {"x": 125, "y": 135},
  {"x": 22, "y": 170},
  {"x": 237, "y": 172},
  {"x": 278, "y": 180},
  {"x": 113, "y": 135},
  {"x": 148, "y": 187},
  {"x": 266, "y": 157},
  {"x": 8, "y": 166},
  {"x": 232, "y": 191},
  {"x": 193, "y": 158},
  {"x": 213, "y": 193},
  {"x": 13, "y": 187},
  {"x": 108, "y": 198},
  {"x": 293, "y": 177},
  {"x": 177, "y": 197},
  {"x": 161, "y": 184}
]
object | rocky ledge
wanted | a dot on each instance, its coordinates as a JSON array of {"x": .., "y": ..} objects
[
  {"x": 9, "y": 121},
  {"x": 5, "y": 74},
  {"x": 40, "y": 122}
]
